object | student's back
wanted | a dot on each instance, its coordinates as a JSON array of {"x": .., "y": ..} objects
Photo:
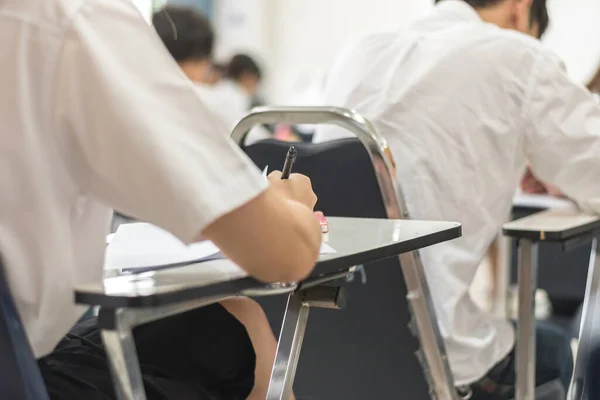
[
  {"x": 95, "y": 115},
  {"x": 461, "y": 104}
]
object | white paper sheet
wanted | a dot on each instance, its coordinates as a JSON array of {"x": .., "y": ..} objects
[
  {"x": 146, "y": 246},
  {"x": 142, "y": 245},
  {"x": 327, "y": 249},
  {"x": 543, "y": 202}
]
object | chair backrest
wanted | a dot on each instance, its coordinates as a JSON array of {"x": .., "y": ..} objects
[
  {"x": 347, "y": 167},
  {"x": 20, "y": 376},
  {"x": 367, "y": 350}
]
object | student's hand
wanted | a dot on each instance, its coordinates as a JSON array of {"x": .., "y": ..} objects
[
  {"x": 297, "y": 187},
  {"x": 530, "y": 184}
]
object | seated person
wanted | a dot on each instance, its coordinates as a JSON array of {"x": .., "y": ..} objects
[
  {"x": 244, "y": 73},
  {"x": 189, "y": 37},
  {"x": 216, "y": 74},
  {"x": 464, "y": 96},
  {"x": 97, "y": 116}
]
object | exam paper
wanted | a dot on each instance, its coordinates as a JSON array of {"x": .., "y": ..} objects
[
  {"x": 327, "y": 249},
  {"x": 144, "y": 247}
]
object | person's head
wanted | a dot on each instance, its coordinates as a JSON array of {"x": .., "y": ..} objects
[
  {"x": 217, "y": 72},
  {"x": 526, "y": 16},
  {"x": 189, "y": 37},
  {"x": 244, "y": 70}
]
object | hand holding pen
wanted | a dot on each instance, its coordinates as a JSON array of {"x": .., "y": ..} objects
[{"x": 294, "y": 186}]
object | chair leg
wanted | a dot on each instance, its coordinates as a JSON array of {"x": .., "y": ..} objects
[
  {"x": 124, "y": 365},
  {"x": 588, "y": 319},
  {"x": 288, "y": 348},
  {"x": 292, "y": 334},
  {"x": 525, "y": 348}
]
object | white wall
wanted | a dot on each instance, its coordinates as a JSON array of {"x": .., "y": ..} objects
[
  {"x": 243, "y": 26},
  {"x": 575, "y": 35},
  {"x": 298, "y": 39},
  {"x": 308, "y": 34}
]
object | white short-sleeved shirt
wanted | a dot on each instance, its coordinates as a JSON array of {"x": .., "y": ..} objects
[
  {"x": 95, "y": 115},
  {"x": 462, "y": 104}
]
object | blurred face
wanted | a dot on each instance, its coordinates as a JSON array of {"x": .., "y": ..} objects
[
  {"x": 197, "y": 70},
  {"x": 250, "y": 83},
  {"x": 215, "y": 75}
]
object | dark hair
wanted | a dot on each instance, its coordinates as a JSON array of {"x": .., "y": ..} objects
[
  {"x": 479, "y": 3},
  {"x": 242, "y": 64},
  {"x": 539, "y": 14},
  {"x": 187, "y": 34},
  {"x": 539, "y": 11}
]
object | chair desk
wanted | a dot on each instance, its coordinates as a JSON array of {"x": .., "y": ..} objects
[
  {"x": 570, "y": 228},
  {"x": 129, "y": 300}
]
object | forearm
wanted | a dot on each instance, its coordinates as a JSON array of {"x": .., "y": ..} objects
[{"x": 273, "y": 238}]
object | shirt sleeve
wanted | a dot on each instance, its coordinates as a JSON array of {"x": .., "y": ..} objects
[
  {"x": 134, "y": 131},
  {"x": 563, "y": 139}
]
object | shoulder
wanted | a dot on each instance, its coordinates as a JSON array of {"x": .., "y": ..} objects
[{"x": 510, "y": 48}]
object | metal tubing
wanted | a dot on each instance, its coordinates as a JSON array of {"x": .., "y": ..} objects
[
  {"x": 288, "y": 348},
  {"x": 587, "y": 339},
  {"x": 528, "y": 268}
]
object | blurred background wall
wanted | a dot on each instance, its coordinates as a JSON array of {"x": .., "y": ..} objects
[{"x": 297, "y": 40}]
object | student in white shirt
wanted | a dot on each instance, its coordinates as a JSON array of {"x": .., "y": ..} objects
[
  {"x": 464, "y": 97},
  {"x": 246, "y": 75},
  {"x": 189, "y": 37},
  {"x": 96, "y": 115}
]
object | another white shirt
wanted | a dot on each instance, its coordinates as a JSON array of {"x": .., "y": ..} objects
[
  {"x": 230, "y": 104},
  {"x": 462, "y": 104},
  {"x": 95, "y": 115}
]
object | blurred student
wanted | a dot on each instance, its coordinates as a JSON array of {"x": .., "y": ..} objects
[
  {"x": 189, "y": 37},
  {"x": 464, "y": 96},
  {"x": 96, "y": 115},
  {"x": 245, "y": 74},
  {"x": 217, "y": 73}
]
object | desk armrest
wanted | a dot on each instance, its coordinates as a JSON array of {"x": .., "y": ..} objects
[{"x": 553, "y": 226}]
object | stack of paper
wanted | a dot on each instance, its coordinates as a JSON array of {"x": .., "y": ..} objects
[
  {"x": 141, "y": 247},
  {"x": 543, "y": 202}
]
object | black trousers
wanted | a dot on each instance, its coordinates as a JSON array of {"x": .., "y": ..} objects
[{"x": 205, "y": 354}]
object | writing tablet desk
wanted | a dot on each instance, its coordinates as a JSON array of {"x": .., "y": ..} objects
[
  {"x": 571, "y": 229},
  {"x": 126, "y": 301},
  {"x": 523, "y": 205},
  {"x": 565, "y": 287}
]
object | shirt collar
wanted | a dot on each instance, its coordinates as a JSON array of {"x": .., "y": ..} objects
[{"x": 460, "y": 9}]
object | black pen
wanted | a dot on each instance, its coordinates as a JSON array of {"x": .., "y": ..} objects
[{"x": 290, "y": 158}]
